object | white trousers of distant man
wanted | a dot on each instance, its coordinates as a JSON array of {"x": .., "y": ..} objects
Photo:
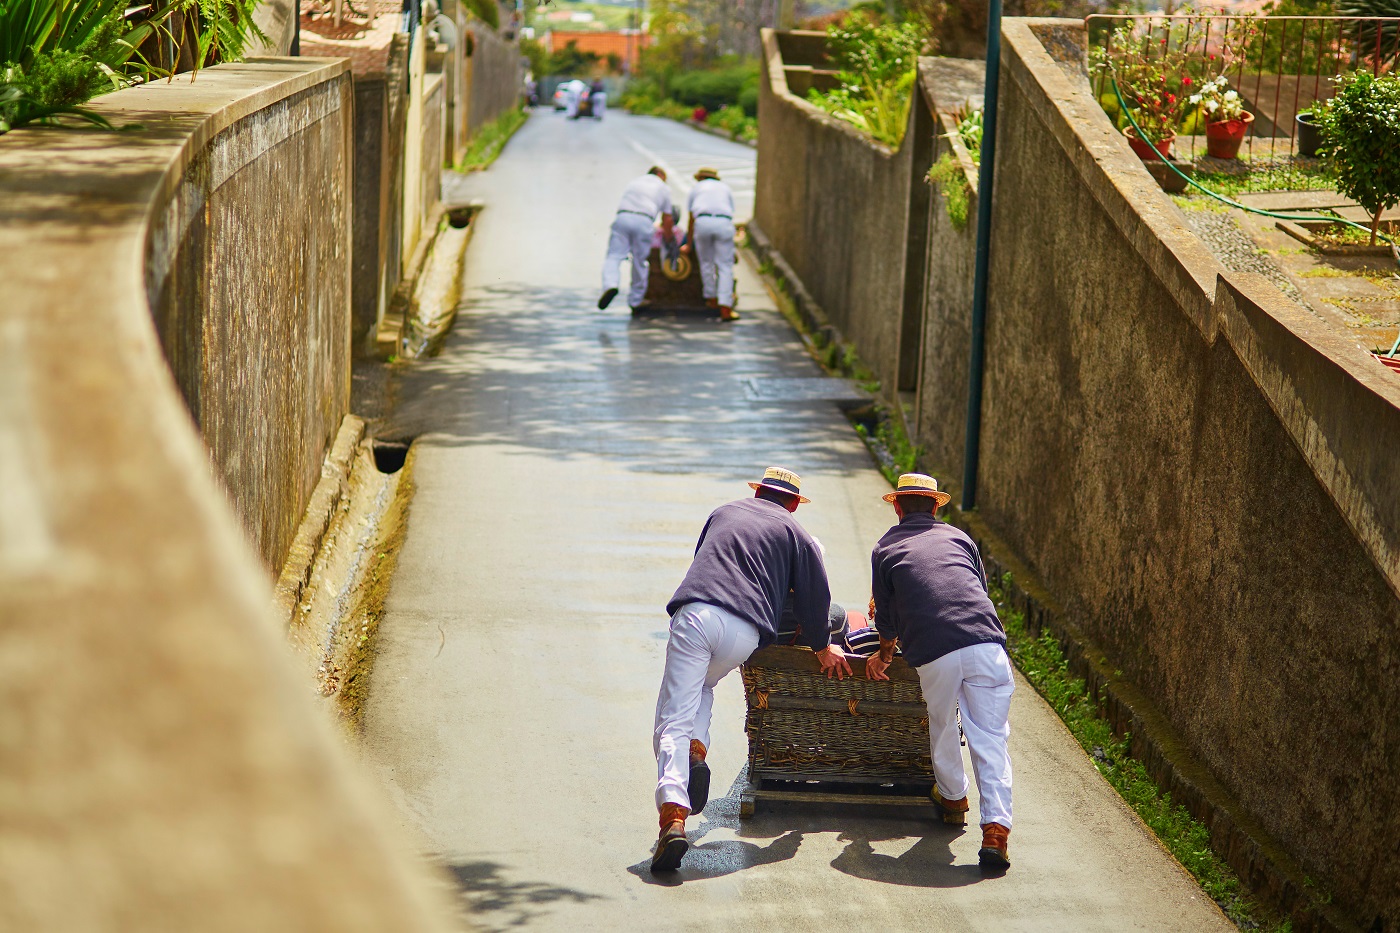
[
  {"x": 631, "y": 236},
  {"x": 714, "y": 250},
  {"x": 706, "y": 643},
  {"x": 976, "y": 679}
]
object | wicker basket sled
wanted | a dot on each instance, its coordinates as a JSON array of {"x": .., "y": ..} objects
[{"x": 819, "y": 740}]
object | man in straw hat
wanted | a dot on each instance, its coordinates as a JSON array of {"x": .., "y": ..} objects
[
  {"x": 931, "y": 598},
  {"x": 711, "y": 230},
  {"x": 751, "y": 553}
]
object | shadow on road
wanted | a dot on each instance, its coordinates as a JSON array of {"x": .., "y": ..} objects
[
  {"x": 496, "y": 903},
  {"x": 928, "y": 863}
]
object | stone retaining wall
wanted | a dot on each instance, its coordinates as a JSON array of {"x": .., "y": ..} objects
[
  {"x": 251, "y": 297},
  {"x": 162, "y": 763},
  {"x": 837, "y": 205},
  {"x": 495, "y": 77}
]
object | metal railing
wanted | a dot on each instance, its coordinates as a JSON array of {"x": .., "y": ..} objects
[{"x": 1279, "y": 65}]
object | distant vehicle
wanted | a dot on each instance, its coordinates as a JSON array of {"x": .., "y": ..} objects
[{"x": 561, "y": 98}]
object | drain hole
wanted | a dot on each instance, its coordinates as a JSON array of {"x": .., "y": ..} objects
[
  {"x": 460, "y": 217},
  {"x": 390, "y": 455}
]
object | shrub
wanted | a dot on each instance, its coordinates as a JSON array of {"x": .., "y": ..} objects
[
  {"x": 1360, "y": 130},
  {"x": 877, "y": 64},
  {"x": 488, "y": 11},
  {"x": 715, "y": 89}
]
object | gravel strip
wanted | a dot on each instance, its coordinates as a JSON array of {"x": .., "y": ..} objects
[{"x": 1236, "y": 251}]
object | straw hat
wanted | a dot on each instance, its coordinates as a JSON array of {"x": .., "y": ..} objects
[
  {"x": 917, "y": 484},
  {"x": 780, "y": 480},
  {"x": 706, "y": 173}
]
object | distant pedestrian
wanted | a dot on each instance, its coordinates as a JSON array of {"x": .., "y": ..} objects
[
  {"x": 643, "y": 200},
  {"x": 711, "y": 230},
  {"x": 931, "y": 597},
  {"x": 751, "y": 554},
  {"x": 598, "y": 94}
]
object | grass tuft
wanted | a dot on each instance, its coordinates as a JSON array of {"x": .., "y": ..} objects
[
  {"x": 486, "y": 145},
  {"x": 1043, "y": 663}
]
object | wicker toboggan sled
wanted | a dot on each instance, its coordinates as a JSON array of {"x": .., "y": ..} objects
[{"x": 819, "y": 740}]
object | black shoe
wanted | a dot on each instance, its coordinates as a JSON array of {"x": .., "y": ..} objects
[
  {"x": 698, "y": 789},
  {"x": 607, "y": 298},
  {"x": 670, "y": 848}
]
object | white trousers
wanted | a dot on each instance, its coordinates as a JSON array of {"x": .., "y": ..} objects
[
  {"x": 706, "y": 643},
  {"x": 600, "y": 104},
  {"x": 714, "y": 248},
  {"x": 631, "y": 236},
  {"x": 976, "y": 679}
]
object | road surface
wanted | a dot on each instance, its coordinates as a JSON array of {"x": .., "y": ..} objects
[{"x": 566, "y": 460}]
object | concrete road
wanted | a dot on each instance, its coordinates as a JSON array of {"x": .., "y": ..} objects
[{"x": 566, "y": 461}]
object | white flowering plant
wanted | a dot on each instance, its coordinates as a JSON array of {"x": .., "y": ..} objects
[{"x": 1217, "y": 101}]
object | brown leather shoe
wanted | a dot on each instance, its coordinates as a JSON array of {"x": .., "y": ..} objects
[
  {"x": 698, "y": 789},
  {"x": 954, "y": 812},
  {"x": 993, "y": 853},
  {"x": 671, "y": 844},
  {"x": 728, "y": 314}
]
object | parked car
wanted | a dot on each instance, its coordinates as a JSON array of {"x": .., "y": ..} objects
[{"x": 561, "y": 98}]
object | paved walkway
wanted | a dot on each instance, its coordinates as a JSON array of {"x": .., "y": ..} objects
[{"x": 566, "y": 462}]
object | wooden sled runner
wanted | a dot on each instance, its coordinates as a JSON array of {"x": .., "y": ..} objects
[{"x": 819, "y": 740}]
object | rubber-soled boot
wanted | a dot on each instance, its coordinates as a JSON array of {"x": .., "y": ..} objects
[
  {"x": 994, "y": 854},
  {"x": 954, "y": 812},
  {"x": 698, "y": 789},
  {"x": 671, "y": 844}
]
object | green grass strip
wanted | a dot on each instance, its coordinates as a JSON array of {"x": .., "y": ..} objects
[
  {"x": 1043, "y": 663},
  {"x": 486, "y": 145}
]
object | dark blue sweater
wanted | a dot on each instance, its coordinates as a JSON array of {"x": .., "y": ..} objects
[
  {"x": 751, "y": 553},
  {"x": 931, "y": 591}
]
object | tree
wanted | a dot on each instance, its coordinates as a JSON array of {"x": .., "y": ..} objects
[{"x": 1360, "y": 130}]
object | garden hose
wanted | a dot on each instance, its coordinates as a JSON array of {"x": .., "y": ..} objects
[{"x": 1277, "y": 215}]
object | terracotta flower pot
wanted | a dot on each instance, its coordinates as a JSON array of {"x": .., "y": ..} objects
[
  {"x": 1162, "y": 149},
  {"x": 1223, "y": 137}
]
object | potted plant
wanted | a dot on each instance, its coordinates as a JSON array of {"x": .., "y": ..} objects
[
  {"x": 1227, "y": 121},
  {"x": 1361, "y": 141},
  {"x": 1150, "y": 65}
]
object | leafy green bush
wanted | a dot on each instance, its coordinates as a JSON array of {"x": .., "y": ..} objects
[
  {"x": 876, "y": 67},
  {"x": 488, "y": 11},
  {"x": 733, "y": 120},
  {"x": 1360, "y": 129},
  {"x": 715, "y": 89},
  {"x": 57, "y": 54}
]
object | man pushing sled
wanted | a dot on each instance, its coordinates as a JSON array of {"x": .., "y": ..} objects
[{"x": 751, "y": 553}]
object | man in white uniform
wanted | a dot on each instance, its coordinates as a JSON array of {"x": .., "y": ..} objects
[
  {"x": 711, "y": 210},
  {"x": 574, "y": 90},
  {"x": 642, "y": 200}
]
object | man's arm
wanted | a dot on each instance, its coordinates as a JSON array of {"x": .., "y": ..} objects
[{"x": 812, "y": 605}]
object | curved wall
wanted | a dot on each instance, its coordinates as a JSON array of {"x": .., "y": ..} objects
[{"x": 162, "y": 765}]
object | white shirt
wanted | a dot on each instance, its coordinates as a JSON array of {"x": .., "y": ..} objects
[
  {"x": 647, "y": 195},
  {"x": 711, "y": 196}
]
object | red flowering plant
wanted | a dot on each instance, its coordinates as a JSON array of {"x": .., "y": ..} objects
[
  {"x": 1161, "y": 62},
  {"x": 1151, "y": 61}
]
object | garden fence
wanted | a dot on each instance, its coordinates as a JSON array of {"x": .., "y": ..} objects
[{"x": 1280, "y": 65}]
